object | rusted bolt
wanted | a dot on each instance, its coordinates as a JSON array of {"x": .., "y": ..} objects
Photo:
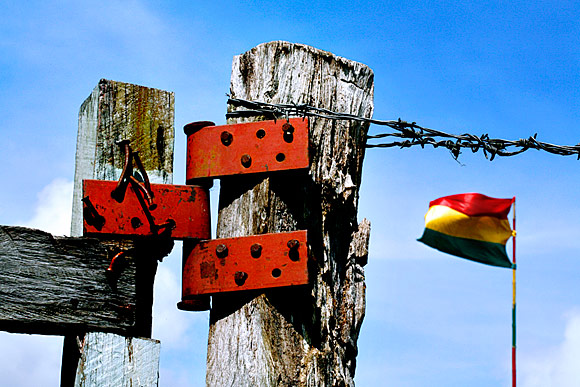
[
  {"x": 293, "y": 244},
  {"x": 256, "y": 250},
  {"x": 116, "y": 261},
  {"x": 221, "y": 251},
  {"x": 287, "y": 128},
  {"x": 226, "y": 138},
  {"x": 246, "y": 161},
  {"x": 147, "y": 193},
  {"x": 144, "y": 181},
  {"x": 115, "y": 269},
  {"x": 240, "y": 278}
]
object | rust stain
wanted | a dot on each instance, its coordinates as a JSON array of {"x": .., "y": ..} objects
[
  {"x": 208, "y": 270},
  {"x": 140, "y": 114},
  {"x": 192, "y": 196},
  {"x": 130, "y": 348}
]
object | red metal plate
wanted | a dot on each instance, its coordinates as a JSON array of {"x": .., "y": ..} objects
[
  {"x": 215, "y": 151},
  {"x": 187, "y": 206},
  {"x": 209, "y": 269}
]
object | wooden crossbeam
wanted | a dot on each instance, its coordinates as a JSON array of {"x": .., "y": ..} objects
[{"x": 57, "y": 285}]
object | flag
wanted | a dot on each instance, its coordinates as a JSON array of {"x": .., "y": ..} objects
[{"x": 471, "y": 225}]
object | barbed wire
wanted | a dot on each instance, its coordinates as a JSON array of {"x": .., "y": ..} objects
[{"x": 406, "y": 134}]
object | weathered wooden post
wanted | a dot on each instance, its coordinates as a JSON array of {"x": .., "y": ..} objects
[
  {"x": 118, "y": 111},
  {"x": 309, "y": 336}
]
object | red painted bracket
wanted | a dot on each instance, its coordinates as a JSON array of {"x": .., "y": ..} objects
[
  {"x": 252, "y": 262},
  {"x": 181, "y": 211},
  {"x": 264, "y": 146}
]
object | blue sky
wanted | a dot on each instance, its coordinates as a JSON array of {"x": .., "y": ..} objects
[{"x": 510, "y": 69}]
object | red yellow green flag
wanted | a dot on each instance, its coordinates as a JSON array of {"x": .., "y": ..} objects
[{"x": 471, "y": 225}]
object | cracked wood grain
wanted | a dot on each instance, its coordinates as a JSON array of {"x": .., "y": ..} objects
[
  {"x": 302, "y": 336},
  {"x": 112, "y": 360},
  {"x": 57, "y": 285}
]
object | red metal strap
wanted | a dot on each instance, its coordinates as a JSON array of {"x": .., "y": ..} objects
[
  {"x": 252, "y": 262},
  {"x": 180, "y": 211},
  {"x": 264, "y": 146}
]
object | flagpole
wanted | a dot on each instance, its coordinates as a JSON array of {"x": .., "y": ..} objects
[{"x": 514, "y": 299}]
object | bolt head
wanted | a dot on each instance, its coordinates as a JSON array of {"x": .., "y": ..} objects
[
  {"x": 287, "y": 128},
  {"x": 221, "y": 251},
  {"x": 256, "y": 250},
  {"x": 293, "y": 244},
  {"x": 246, "y": 161},
  {"x": 240, "y": 277},
  {"x": 226, "y": 138}
]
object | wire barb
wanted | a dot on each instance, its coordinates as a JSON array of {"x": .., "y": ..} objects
[{"x": 405, "y": 134}]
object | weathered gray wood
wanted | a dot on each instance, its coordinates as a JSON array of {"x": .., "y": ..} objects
[
  {"x": 291, "y": 337},
  {"x": 117, "y": 111},
  {"x": 57, "y": 285},
  {"x": 111, "y": 360}
]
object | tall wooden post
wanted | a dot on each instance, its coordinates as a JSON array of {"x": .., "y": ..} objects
[
  {"x": 308, "y": 336},
  {"x": 120, "y": 111}
]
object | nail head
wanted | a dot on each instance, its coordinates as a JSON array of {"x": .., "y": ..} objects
[{"x": 221, "y": 251}]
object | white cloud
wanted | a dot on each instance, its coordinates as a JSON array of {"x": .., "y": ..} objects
[
  {"x": 54, "y": 208},
  {"x": 556, "y": 366}
]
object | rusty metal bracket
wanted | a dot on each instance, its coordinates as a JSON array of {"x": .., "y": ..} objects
[
  {"x": 181, "y": 211},
  {"x": 245, "y": 263},
  {"x": 132, "y": 207},
  {"x": 265, "y": 146}
]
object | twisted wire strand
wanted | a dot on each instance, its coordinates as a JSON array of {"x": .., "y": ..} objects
[{"x": 405, "y": 134}]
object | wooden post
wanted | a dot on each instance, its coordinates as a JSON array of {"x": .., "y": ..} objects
[
  {"x": 118, "y": 111},
  {"x": 308, "y": 336},
  {"x": 113, "y": 360}
]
